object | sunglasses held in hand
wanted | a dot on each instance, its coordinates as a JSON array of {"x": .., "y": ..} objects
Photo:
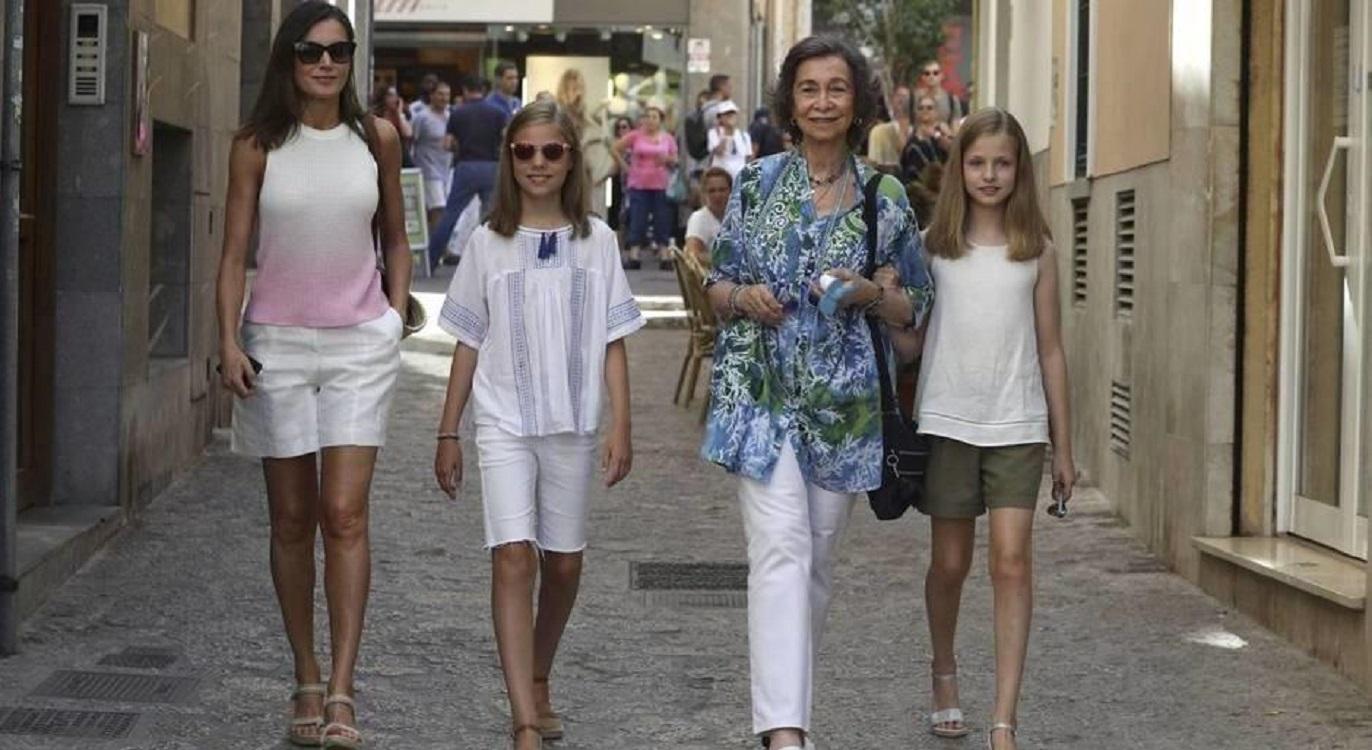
[{"x": 311, "y": 53}]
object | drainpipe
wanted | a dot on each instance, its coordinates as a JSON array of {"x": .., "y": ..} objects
[{"x": 11, "y": 95}]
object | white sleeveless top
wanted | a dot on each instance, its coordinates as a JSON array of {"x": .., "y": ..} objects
[
  {"x": 316, "y": 266},
  {"x": 980, "y": 381}
]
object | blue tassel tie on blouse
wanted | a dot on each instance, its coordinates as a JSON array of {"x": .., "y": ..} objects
[{"x": 547, "y": 246}]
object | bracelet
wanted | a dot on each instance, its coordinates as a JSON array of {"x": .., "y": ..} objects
[
  {"x": 870, "y": 306},
  {"x": 733, "y": 300},
  {"x": 448, "y": 436}
]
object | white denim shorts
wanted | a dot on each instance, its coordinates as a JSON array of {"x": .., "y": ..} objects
[
  {"x": 536, "y": 489},
  {"x": 319, "y": 387}
]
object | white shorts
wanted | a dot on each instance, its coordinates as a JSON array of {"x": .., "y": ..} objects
[
  {"x": 536, "y": 489},
  {"x": 319, "y": 387},
  {"x": 435, "y": 194}
]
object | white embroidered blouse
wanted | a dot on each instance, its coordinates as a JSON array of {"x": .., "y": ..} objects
[{"x": 540, "y": 308}]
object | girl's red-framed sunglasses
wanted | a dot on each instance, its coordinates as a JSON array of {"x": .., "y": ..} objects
[{"x": 525, "y": 151}]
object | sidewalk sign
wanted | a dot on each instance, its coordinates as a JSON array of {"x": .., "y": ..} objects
[{"x": 416, "y": 216}]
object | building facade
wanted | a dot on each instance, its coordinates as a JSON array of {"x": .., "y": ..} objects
[
  {"x": 122, "y": 122},
  {"x": 1207, "y": 169}
]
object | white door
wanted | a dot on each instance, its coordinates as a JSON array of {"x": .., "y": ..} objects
[{"x": 1324, "y": 255}]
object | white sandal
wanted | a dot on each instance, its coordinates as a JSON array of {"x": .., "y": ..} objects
[
  {"x": 948, "y": 716},
  {"x": 336, "y": 734},
  {"x": 997, "y": 727},
  {"x": 296, "y": 734}
]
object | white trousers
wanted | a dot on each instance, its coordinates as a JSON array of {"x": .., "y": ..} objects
[{"x": 793, "y": 530}]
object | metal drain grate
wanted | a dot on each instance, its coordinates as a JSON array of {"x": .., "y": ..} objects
[
  {"x": 115, "y": 686},
  {"x": 704, "y": 599},
  {"x": 142, "y": 657},
  {"x": 663, "y": 576},
  {"x": 103, "y": 725}
]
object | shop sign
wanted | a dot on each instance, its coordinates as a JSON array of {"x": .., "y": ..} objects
[
  {"x": 462, "y": 11},
  {"x": 698, "y": 56}
]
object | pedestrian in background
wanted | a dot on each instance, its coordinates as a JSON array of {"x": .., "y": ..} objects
[
  {"x": 387, "y": 105},
  {"x": 505, "y": 95},
  {"x": 474, "y": 131},
  {"x": 766, "y": 135},
  {"x": 795, "y": 409},
  {"x": 928, "y": 143},
  {"x": 540, "y": 308},
  {"x": 951, "y": 109},
  {"x": 431, "y": 152},
  {"x": 990, "y": 408},
  {"x": 322, "y": 333},
  {"x": 888, "y": 138},
  {"x": 426, "y": 86},
  {"x": 652, "y": 154},
  {"x": 596, "y": 152},
  {"x": 618, "y": 207},
  {"x": 730, "y": 146},
  {"x": 704, "y": 223}
]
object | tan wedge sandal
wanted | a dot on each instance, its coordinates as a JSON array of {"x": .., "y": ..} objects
[
  {"x": 514, "y": 734},
  {"x": 306, "y": 731},
  {"x": 549, "y": 723},
  {"x": 336, "y": 733}
]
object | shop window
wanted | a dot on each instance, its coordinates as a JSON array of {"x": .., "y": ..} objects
[
  {"x": 170, "y": 235},
  {"x": 1082, "y": 80}
]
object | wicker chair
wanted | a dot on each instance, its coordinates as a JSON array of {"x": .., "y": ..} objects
[{"x": 690, "y": 275}]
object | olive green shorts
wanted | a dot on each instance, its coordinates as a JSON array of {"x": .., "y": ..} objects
[{"x": 963, "y": 481}]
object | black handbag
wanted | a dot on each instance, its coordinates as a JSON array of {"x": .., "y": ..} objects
[{"x": 904, "y": 452}]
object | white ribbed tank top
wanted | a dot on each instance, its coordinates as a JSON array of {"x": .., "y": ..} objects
[
  {"x": 980, "y": 381},
  {"x": 316, "y": 265}
]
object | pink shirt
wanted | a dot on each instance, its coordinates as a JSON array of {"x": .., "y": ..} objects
[
  {"x": 647, "y": 159},
  {"x": 316, "y": 266}
]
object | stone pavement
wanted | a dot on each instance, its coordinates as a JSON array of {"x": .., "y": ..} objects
[{"x": 1116, "y": 660}]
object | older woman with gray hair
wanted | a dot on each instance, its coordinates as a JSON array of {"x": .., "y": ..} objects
[{"x": 796, "y": 411}]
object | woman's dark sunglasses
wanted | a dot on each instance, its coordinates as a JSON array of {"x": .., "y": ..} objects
[
  {"x": 310, "y": 53},
  {"x": 551, "y": 151}
]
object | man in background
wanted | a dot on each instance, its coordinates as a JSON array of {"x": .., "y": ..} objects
[
  {"x": 506, "y": 93},
  {"x": 475, "y": 129},
  {"x": 950, "y": 108}
]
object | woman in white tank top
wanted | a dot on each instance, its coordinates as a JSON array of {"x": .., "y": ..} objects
[
  {"x": 992, "y": 392},
  {"x": 313, "y": 363}
]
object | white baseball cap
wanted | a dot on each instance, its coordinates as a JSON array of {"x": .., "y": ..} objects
[{"x": 725, "y": 107}]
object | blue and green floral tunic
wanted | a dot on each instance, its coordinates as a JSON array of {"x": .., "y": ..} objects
[{"x": 813, "y": 379}]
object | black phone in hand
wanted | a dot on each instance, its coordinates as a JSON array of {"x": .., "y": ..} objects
[{"x": 256, "y": 367}]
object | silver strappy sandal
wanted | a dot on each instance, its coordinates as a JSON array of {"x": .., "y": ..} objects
[
  {"x": 998, "y": 726},
  {"x": 948, "y": 716}
]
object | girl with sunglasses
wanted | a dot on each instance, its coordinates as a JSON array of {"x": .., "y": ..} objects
[
  {"x": 315, "y": 359},
  {"x": 540, "y": 308}
]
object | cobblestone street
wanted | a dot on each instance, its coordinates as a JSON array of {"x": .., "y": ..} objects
[{"x": 1121, "y": 657}]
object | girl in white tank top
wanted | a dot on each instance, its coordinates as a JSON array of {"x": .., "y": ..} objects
[{"x": 992, "y": 390}]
